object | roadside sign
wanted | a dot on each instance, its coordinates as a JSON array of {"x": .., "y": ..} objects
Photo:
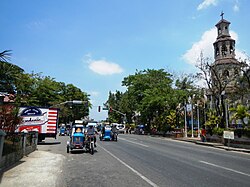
[
  {"x": 228, "y": 135},
  {"x": 189, "y": 107},
  {"x": 104, "y": 108}
]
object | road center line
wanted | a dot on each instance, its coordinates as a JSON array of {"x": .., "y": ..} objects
[
  {"x": 239, "y": 172},
  {"x": 132, "y": 169},
  {"x": 133, "y": 142}
]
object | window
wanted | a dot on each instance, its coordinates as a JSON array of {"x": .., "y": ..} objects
[
  {"x": 236, "y": 72},
  {"x": 226, "y": 73},
  {"x": 224, "y": 50},
  {"x": 219, "y": 31}
]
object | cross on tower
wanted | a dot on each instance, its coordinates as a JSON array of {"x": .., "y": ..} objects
[{"x": 222, "y": 13}]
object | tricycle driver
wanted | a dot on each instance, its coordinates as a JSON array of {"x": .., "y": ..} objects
[{"x": 92, "y": 132}]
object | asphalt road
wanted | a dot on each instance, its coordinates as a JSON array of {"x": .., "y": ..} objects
[{"x": 148, "y": 161}]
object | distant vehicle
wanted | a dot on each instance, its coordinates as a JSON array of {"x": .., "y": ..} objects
[
  {"x": 140, "y": 129},
  {"x": 62, "y": 131},
  {"x": 121, "y": 128},
  {"x": 108, "y": 135}
]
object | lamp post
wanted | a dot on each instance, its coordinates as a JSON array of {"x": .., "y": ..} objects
[
  {"x": 226, "y": 106},
  {"x": 185, "y": 113},
  {"x": 192, "y": 120},
  {"x": 192, "y": 117},
  {"x": 224, "y": 109},
  {"x": 198, "y": 119}
]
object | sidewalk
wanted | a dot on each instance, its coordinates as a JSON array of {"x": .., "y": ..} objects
[
  {"x": 39, "y": 168},
  {"x": 213, "y": 144}
]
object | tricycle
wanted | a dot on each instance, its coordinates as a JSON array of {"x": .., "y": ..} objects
[
  {"x": 78, "y": 140},
  {"x": 62, "y": 131},
  {"x": 108, "y": 135}
]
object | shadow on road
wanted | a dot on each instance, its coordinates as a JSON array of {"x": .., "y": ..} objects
[
  {"x": 81, "y": 152},
  {"x": 48, "y": 143}
]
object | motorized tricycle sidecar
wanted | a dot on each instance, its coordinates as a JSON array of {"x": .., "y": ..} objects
[
  {"x": 77, "y": 139},
  {"x": 76, "y": 142}
]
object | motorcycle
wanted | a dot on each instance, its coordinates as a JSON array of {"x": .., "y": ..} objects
[
  {"x": 90, "y": 144},
  {"x": 114, "y": 136}
]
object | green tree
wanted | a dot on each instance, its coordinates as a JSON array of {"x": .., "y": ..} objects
[
  {"x": 150, "y": 89},
  {"x": 9, "y": 73},
  {"x": 8, "y": 77}
]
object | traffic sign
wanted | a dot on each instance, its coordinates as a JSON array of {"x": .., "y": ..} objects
[{"x": 228, "y": 135}]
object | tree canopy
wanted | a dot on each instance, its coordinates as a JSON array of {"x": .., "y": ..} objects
[{"x": 150, "y": 98}]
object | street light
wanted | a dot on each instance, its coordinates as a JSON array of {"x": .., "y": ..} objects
[
  {"x": 190, "y": 109},
  {"x": 198, "y": 119},
  {"x": 74, "y": 102},
  {"x": 185, "y": 112}
]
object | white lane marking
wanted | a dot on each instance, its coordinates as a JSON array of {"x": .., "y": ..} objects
[
  {"x": 239, "y": 172},
  {"x": 133, "y": 142},
  {"x": 132, "y": 169}
]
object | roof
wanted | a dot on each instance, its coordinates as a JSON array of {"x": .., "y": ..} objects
[
  {"x": 7, "y": 98},
  {"x": 91, "y": 124},
  {"x": 222, "y": 21}
]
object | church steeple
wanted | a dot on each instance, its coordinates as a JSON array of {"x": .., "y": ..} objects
[{"x": 224, "y": 46}]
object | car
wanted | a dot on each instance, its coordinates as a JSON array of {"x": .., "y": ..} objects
[{"x": 121, "y": 128}]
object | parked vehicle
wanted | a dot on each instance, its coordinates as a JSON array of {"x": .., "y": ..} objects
[{"x": 43, "y": 120}]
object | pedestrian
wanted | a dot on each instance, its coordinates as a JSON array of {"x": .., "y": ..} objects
[
  {"x": 203, "y": 134},
  {"x": 129, "y": 130}
]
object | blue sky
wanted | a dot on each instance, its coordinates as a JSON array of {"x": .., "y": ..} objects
[{"x": 94, "y": 44}]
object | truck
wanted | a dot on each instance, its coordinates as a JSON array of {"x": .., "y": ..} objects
[{"x": 43, "y": 120}]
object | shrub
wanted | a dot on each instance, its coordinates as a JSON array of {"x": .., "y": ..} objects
[{"x": 218, "y": 131}]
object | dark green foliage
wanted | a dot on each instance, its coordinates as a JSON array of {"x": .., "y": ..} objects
[{"x": 42, "y": 91}]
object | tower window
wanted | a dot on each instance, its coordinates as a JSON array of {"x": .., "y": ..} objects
[
  {"x": 224, "y": 50},
  {"x": 219, "y": 30},
  {"x": 225, "y": 27},
  {"x": 236, "y": 72},
  {"x": 226, "y": 73},
  {"x": 217, "y": 51},
  {"x": 231, "y": 49}
]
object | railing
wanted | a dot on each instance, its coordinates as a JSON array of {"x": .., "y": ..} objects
[{"x": 16, "y": 145}]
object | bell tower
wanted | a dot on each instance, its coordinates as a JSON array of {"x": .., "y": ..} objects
[
  {"x": 224, "y": 46},
  {"x": 226, "y": 66}
]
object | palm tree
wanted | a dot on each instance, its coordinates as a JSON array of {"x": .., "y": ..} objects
[
  {"x": 5, "y": 55},
  {"x": 240, "y": 113},
  {"x": 8, "y": 73}
]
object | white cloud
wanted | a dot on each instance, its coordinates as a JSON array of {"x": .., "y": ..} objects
[
  {"x": 206, "y": 3},
  {"x": 236, "y": 8},
  {"x": 205, "y": 44},
  {"x": 104, "y": 67}
]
